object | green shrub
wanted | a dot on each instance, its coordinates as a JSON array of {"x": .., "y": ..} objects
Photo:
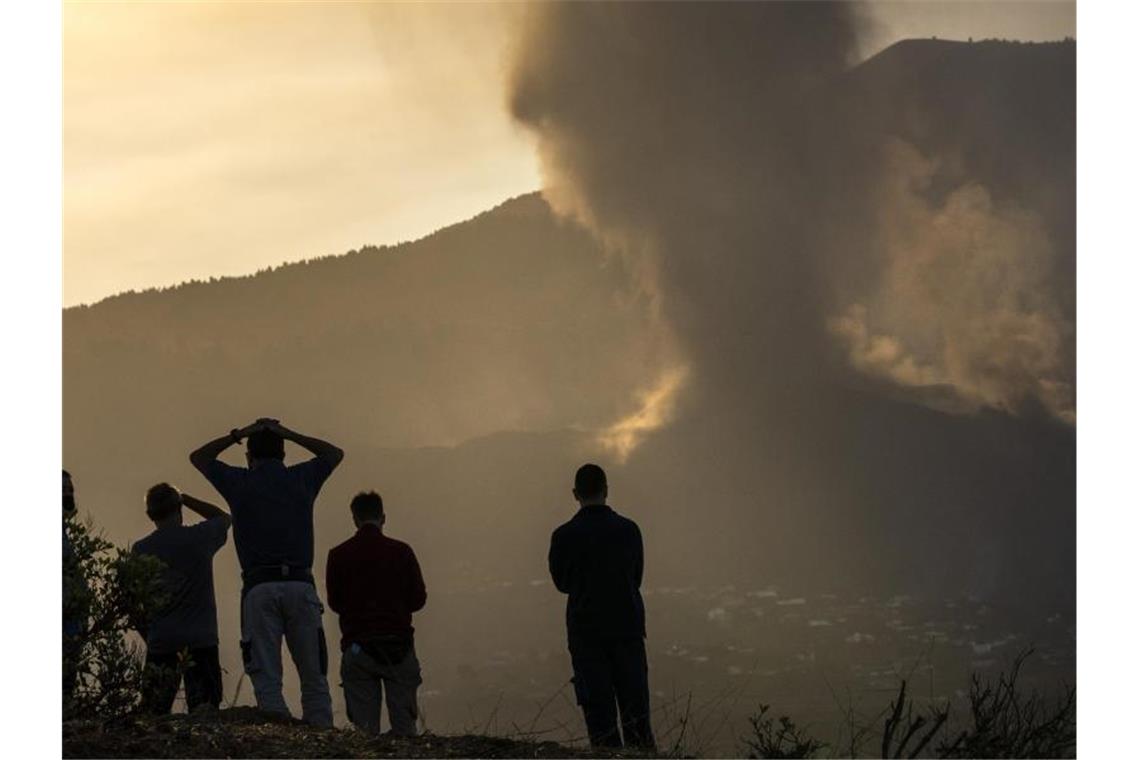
[{"x": 110, "y": 593}]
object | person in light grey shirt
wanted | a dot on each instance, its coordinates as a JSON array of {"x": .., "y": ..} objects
[{"x": 182, "y": 637}]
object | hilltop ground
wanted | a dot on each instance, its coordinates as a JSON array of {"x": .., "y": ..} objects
[{"x": 247, "y": 732}]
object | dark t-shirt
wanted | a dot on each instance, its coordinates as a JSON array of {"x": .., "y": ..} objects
[
  {"x": 190, "y": 619},
  {"x": 272, "y": 507},
  {"x": 597, "y": 559}
]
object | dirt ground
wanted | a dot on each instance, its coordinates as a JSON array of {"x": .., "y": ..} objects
[{"x": 246, "y": 732}]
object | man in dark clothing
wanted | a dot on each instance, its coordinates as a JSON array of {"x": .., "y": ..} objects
[
  {"x": 182, "y": 641},
  {"x": 374, "y": 583},
  {"x": 272, "y": 507},
  {"x": 597, "y": 558}
]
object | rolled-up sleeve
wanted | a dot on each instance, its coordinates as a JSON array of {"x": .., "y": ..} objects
[
  {"x": 212, "y": 533},
  {"x": 223, "y": 477},
  {"x": 313, "y": 473}
]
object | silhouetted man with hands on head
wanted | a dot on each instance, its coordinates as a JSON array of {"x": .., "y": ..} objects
[
  {"x": 272, "y": 507},
  {"x": 374, "y": 584},
  {"x": 597, "y": 558},
  {"x": 185, "y": 632}
]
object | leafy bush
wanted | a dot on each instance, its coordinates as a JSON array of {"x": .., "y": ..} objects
[{"x": 107, "y": 593}]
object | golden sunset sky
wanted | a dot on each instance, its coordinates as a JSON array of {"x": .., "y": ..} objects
[{"x": 218, "y": 138}]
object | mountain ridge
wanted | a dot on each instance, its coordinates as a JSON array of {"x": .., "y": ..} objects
[
  {"x": 512, "y": 204},
  {"x": 913, "y": 56}
]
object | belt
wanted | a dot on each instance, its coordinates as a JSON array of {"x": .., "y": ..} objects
[
  {"x": 271, "y": 573},
  {"x": 386, "y": 650}
]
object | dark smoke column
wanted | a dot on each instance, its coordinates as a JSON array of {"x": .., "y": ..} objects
[{"x": 728, "y": 149}]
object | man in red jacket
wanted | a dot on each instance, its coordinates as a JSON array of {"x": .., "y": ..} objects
[{"x": 374, "y": 583}]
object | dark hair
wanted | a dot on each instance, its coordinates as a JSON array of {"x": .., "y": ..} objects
[
  {"x": 367, "y": 505},
  {"x": 162, "y": 500},
  {"x": 265, "y": 444},
  {"x": 590, "y": 481}
]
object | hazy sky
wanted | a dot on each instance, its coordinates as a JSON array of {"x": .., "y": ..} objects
[{"x": 206, "y": 138}]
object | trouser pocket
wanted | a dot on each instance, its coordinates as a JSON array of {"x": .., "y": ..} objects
[{"x": 323, "y": 651}]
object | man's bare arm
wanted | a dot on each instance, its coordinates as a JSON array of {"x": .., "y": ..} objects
[
  {"x": 323, "y": 449},
  {"x": 210, "y": 450},
  {"x": 207, "y": 510}
]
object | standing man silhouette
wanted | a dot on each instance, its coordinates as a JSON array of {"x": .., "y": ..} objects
[
  {"x": 597, "y": 559},
  {"x": 185, "y": 631},
  {"x": 272, "y": 508},
  {"x": 375, "y": 584}
]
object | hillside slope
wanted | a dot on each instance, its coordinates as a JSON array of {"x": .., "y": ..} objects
[{"x": 474, "y": 329}]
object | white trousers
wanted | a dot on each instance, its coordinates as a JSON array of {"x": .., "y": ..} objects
[{"x": 289, "y": 609}]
